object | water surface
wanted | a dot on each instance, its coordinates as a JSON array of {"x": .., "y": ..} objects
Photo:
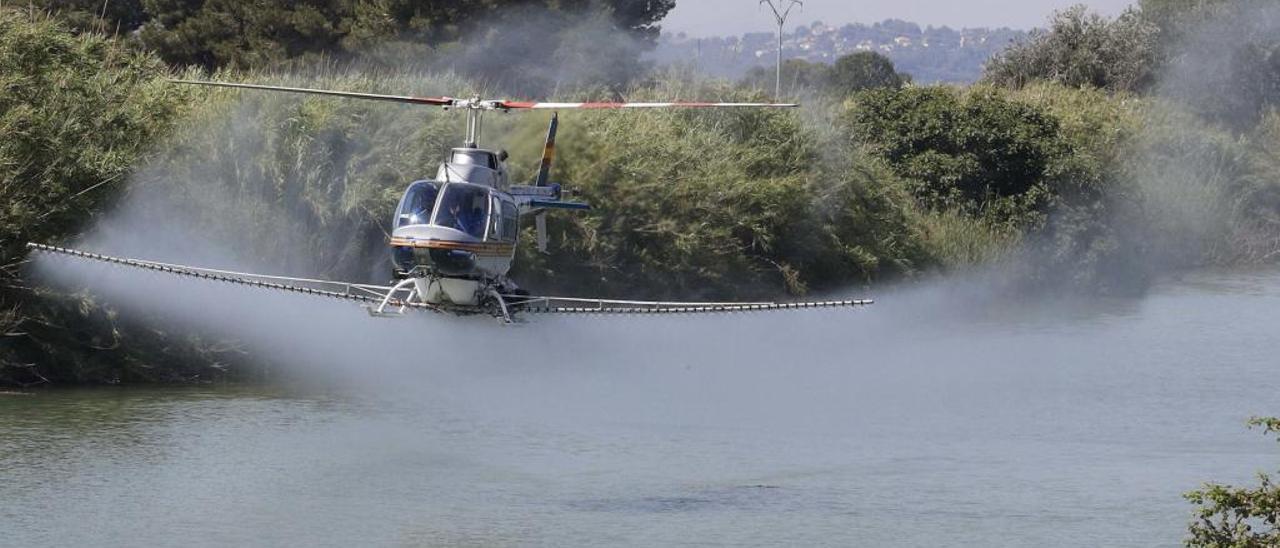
[{"x": 929, "y": 420}]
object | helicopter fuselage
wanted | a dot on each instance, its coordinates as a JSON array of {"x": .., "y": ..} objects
[{"x": 456, "y": 235}]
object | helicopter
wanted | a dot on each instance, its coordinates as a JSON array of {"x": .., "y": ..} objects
[{"x": 453, "y": 236}]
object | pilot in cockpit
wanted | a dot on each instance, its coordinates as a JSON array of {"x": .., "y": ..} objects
[{"x": 469, "y": 220}]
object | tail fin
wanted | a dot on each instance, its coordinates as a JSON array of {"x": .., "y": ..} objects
[
  {"x": 544, "y": 173},
  {"x": 548, "y": 152}
]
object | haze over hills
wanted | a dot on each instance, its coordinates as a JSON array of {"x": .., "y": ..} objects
[
  {"x": 707, "y": 18},
  {"x": 929, "y": 54}
]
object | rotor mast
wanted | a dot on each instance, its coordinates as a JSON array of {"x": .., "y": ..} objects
[
  {"x": 475, "y": 120},
  {"x": 475, "y": 117}
]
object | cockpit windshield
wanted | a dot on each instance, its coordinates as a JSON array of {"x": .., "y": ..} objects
[
  {"x": 418, "y": 201},
  {"x": 477, "y": 157},
  {"x": 464, "y": 207}
]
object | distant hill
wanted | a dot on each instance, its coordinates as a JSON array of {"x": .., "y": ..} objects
[{"x": 929, "y": 55}]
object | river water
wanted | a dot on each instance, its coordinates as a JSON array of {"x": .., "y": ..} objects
[{"x": 938, "y": 417}]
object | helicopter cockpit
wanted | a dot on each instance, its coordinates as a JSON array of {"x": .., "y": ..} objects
[
  {"x": 418, "y": 203},
  {"x": 464, "y": 207}
]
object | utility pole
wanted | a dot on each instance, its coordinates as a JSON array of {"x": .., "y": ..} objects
[{"x": 780, "y": 15}]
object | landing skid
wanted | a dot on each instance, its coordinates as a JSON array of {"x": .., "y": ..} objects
[
  {"x": 400, "y": 305},
  {"x": 393, "y": 305}
]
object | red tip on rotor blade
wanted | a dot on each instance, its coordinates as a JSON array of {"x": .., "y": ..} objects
[
  {"x": 516, "y": 104},
  {"x": 614, "y": 105}
]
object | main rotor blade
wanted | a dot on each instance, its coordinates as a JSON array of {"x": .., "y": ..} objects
[
  {"x": 558, "y": 106},
  {"x": 436, "y": 101}
]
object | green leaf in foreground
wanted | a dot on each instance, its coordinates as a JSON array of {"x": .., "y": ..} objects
[{"x": 1238, "y": 517}]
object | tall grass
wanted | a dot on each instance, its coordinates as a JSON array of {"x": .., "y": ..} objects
[{"x": 77, "y": 112}]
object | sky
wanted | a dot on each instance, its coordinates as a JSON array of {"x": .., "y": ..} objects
[{"x": 733, "y": 17}]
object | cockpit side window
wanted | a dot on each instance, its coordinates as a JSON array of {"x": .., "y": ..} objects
[
  {"x": 495, "y": 219},
  {"x": 464, "y": 207},
  {"x": 504, "y": 220},
  {"x": 510, "y": 222},
  {"x": 417, "y": 203}
]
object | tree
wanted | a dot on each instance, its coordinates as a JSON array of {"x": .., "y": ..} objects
[
  {"x": 1242, "y": 517},
  {"x": 229, "y": 33},
  {"x": 1172, "y": 17},
  {"x": 1082, "y": 49},
  {"x": 534, "y": 50},
  {"x": 850, "y": 74},
  {"x": 119, "y": 16},
  {"x": 77, "y": 114},
  {"x": 864, "y": 70},
  {"x": 1221, "y": 58},
  {"x": 798, "y": 77},
  {"x": 960, "y": 149}
]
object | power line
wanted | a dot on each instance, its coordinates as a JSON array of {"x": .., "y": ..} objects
[{"x": 780, "y": 15}]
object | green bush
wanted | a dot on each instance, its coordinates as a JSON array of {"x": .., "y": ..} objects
[
  {"x": 1244, "y": 517},
  {"x": 974, "y": 150},
  {"x": 719, "y": 204},
  {"x": 77, "y": 114},
  {"x": 849, "y": 74},
  {"x": 1221, "y": 59},
  {"x": 1082, "y": 49}
]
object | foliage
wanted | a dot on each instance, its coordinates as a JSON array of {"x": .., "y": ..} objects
[
  {"x": 1177, "y": 18},
  {"x": 1222, "y": 59},
  {"x": 975, "y": 150},
  {"x": 1059, "y": 150},
  {"x": 114, "y": 18},
  {"x": 865, "y": 70},
  {"x": 1083, "y": 244},
  {"x": 1240, "y": 517},
  {"x": 532, "y": 51},
  {"x": 799, "y": 77},
  {"x": 1082, "y": 49},
  {"x": 717, "y": 204},
  {"x": 1189, "y": 179},
  {"x": 849, "y": 74},
  {"x": 77, "y": 113},
  {"x": 227, "y": 33},
  {"x": 954, "y": 238}
]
